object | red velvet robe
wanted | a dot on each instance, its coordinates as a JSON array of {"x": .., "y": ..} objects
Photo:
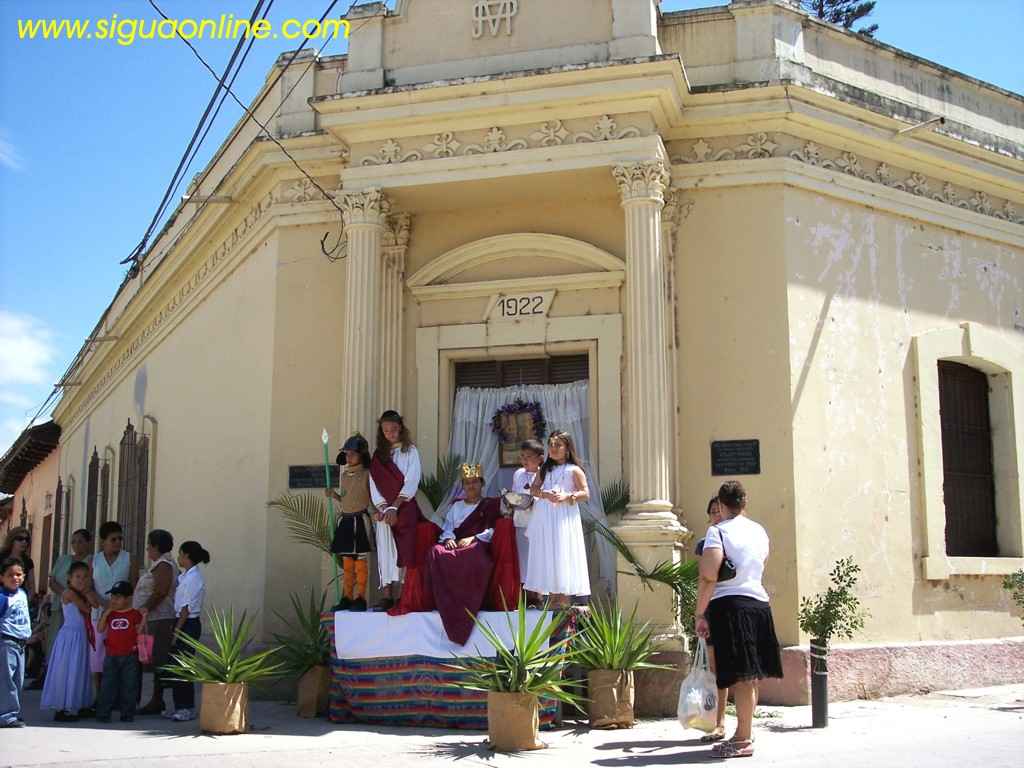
[
  {"x": 462, "y": 581},
  {"x": 389, "y": 481}
]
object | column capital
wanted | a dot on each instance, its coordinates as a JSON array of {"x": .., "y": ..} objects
[
  {"x": 646, "y": 181},
  {"x": 368, "y": 207}
]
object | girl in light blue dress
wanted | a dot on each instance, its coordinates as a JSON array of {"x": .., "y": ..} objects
[{"x": 67, "y": 688}]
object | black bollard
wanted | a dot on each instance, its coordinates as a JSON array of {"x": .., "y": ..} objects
[{"x": 819, "y": 684}]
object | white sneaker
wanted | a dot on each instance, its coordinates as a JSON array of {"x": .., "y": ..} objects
[{"x": 184, "y": 714}]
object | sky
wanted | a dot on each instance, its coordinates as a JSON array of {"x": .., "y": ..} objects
[{"x": 91, "y": 132}]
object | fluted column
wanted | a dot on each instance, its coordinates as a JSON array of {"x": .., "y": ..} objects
[
  {"x": 649, "y": 410},
  {"x": 365, "y": 216},
  {"x": 649, "y": 528},
  {"x": 396, "y": 243}
]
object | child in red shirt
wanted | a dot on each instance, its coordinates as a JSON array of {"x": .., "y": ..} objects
[{"x": 121, "y": 670}]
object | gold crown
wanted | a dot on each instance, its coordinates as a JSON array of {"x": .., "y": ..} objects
[{"x": 472, "y": 472}]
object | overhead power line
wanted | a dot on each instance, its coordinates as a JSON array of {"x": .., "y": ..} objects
[{"x": 172, "y": 184}]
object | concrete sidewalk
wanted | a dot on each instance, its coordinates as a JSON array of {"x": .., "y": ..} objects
[{"x": 956, "y": 728}]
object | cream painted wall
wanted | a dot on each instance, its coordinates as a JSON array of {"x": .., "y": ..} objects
[
  {"x": 861, "y": 284},
  {"x": 307, "y": 373},
  {"x": 208, "y": 384},
  {"x": 734, "y": 370}
]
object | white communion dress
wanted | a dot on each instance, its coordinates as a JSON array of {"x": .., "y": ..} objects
[{"x": 558, "y": 554}]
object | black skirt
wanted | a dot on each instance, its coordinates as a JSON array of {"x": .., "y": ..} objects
[
  {"x": 352, "y": 536},
  {"x": 745, "y": 644}
]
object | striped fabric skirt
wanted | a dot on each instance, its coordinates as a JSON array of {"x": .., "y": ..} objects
[{"x": 411, "y": 691}]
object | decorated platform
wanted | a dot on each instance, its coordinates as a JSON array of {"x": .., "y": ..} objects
[{"x": 393, "y": 670}]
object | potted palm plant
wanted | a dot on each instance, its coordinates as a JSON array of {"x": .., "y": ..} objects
[
  {"x": 305, "y": 654},
  {"x": 224, "y": 671},
  {"x": 612, "y": 647},
  {"x": 517, "y": 677}
]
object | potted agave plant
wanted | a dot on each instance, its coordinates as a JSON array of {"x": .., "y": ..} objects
[
  {"x": 612, "y": 647},
  {"x": 517, "y": 677},
  {"x": 305, "y": 654},
  {"x": 224, "y": 671}
]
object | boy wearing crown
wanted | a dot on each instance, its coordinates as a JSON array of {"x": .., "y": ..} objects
[{"x": 474, "y": 560}]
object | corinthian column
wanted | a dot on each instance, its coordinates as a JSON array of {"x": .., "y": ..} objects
[
  {"x": 650, "y": 528},
  {"x": 396, "y": 243},
  {"x": 365, "y": 216},
  {"x": 649, "y": 439}
]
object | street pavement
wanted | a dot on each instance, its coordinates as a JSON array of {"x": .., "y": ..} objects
[{"x": 982, "y": 727}]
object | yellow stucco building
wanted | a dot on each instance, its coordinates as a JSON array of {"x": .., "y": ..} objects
[{"x": 753, "y": 225}]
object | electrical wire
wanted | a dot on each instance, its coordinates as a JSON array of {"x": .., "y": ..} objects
[
  {"x": 172, "y": 184},
  {"x": 267, "y": 91}
]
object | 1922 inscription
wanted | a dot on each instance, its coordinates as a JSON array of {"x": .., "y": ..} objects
[{"x": 521, "y": 306}]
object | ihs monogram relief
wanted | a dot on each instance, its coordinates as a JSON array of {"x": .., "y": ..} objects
[{"x": 491, "y": 15}]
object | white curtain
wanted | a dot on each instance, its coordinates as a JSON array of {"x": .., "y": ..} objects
[{"x": 565, "y": 407}]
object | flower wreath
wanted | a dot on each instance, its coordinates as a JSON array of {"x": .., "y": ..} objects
[{"x": 515, "y": 407}]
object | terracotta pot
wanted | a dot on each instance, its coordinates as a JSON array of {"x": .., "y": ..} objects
[
  {"x": 610, "y": 693},
  {"x": 513, "y": 722},
  {"x": 225, "y": 708},
  {"x": 311, "y": 696}
]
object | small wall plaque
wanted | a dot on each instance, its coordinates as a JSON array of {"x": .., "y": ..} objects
[
  {"x": 312, "y": 476},
  {"x": 736, "y": 457}
]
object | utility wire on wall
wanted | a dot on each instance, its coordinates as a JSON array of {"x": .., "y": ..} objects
[{"x": 223, "y": 89}]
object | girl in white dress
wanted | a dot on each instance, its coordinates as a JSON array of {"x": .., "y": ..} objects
[{"x": 557, "y": 564}]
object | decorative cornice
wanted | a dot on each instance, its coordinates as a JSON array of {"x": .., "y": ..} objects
[
  {"x": 550, "y": 134},
  {"x": 642, "y": 181},
  {"x": 761, "y": 145},
  {"x": 172, "y": 307}
]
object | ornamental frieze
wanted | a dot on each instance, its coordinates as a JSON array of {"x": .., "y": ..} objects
[
  {"x": 553, "y": 133},
  {"x": 762, "y": 145}
]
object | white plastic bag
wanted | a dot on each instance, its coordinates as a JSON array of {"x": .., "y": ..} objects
[{"x": 698, "y": 695}]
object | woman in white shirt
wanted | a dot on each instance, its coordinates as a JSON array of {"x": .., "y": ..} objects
[
  {"x": 732, "y": 606},
  {"x": 188, "y": 607}
]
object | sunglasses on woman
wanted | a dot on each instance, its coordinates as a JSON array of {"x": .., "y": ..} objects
[{"x": 21, "y": 538}]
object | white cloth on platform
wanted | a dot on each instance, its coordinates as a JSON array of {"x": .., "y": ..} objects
[
  {"x": 408, "y": 463},
  {"x": 558, "y": 553},
  {"x": 376, "y": 635},
  {"x": 387, "y": 553},
  {"x": 457, "y": 514}
]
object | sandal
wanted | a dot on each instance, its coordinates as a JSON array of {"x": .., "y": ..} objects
[
  {"x": 729, "y": 749},
  {"x": 716, "y": 734}
]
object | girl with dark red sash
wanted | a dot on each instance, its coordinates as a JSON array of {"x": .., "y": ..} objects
[{"x": 395, "y": 473}]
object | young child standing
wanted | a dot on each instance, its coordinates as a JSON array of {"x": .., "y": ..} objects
[
  {"x": 557, "y": 564},
  {"x": 120, "y": 625},
  {"x": 352, "y": 536},
  {"x": 188, "y": 606},
  {"x": 531, "y": 455},
  {"x": 15, "y": 630},
  {"x": 67, "y": 688}
]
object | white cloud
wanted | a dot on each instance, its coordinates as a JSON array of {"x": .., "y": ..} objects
[
  {"x": 10, "y": 428},
  {"x": 27, "y": 354},
  {"x": 26, "y": 351},
  {"x": 9, "y": 155},
  {"x": 15, "y": 400}
]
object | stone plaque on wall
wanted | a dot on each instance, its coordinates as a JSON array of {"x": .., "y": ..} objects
[
  {"x": 311, "y": 476},
  {"x": 736, "y": 457}
]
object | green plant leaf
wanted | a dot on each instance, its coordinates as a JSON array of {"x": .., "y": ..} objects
[
  {"x": 225, "y": 662},
  {"x": 306, "y": 517},
  {"x": 307, "y": 645}
]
